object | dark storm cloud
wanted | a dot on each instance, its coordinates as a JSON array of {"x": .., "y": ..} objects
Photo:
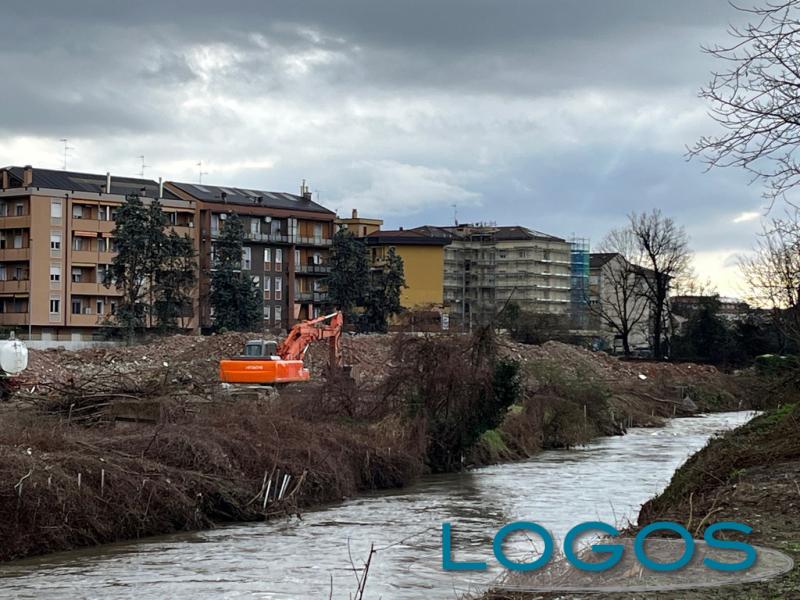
[{"x": 565, "y": 114}]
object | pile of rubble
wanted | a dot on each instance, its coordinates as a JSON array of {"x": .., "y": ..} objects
[{"x": 193, "y": 356}]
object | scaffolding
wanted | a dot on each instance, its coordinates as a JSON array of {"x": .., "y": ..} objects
[{"x": 579, "y": 282}]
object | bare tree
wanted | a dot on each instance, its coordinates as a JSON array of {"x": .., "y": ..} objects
[
  {"x": 621, "y": 304},
  {"x": 772, "y": 273},
  {"x": 755, "y": 98},
  {"x": 663, "y": 249}
]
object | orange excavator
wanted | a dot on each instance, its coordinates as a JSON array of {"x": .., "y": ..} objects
[{"x": 265, "y": 362}]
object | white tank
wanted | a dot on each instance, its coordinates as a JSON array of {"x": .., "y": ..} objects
[{"x": 13, "y": 356}]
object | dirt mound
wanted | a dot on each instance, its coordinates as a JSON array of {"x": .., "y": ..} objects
[{"x": 200, "y": 352}]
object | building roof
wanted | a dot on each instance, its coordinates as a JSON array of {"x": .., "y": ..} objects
[
  {"x": 248, "y": 197},
  {"x": 401, "y": 237},
  {"x": 598, "y": 259},
  {"x": 502, "y": 233},
  {"x": 73, "y": 181}
]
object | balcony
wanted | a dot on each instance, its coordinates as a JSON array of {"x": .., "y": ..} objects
[
  {"x": 14, "y": 318},
  {"x": 313, "y": 241},
  {"x": 91, "y": 256},
  {"x": 303, "y": 296},
  {"x": 15, "y": 254},
  {"x": 312, "y": 269},
  {"x": 182, "y": 230},
  {"x": 15, "y": 222},
  {"x": 79, "y": 224},
  {"x": 13, "y": 286},
  {"x": 90, "y": 320},
  {"x": 92, "y": 289}
]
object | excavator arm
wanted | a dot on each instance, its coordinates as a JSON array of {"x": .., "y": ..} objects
[{"x": 302, "y": 334}]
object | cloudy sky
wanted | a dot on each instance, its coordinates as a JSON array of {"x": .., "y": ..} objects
[{"x": 561, "y": 115}]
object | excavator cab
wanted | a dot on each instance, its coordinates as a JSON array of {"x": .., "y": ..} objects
[{"x": 264, "y": 348}]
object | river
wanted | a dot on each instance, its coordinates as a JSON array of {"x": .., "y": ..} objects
[{"x": 607, "y": 480}]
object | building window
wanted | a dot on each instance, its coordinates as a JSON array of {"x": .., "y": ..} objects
[
  {"x": 318, "y": 231},
  {"x": 296, "y": 258},
  {"x": 55, "y": 273},
  {"x": 20, "y": 209},
  {"x": 55, "y": 212},
  {"x": 254, "y": 226},
  {"x": 55, "y": 306},
  {"x": 278, "y": 259},
  {"x": 266, "y": 312},
  {"x": 55, "y": 243},
  {"x": 277, "y": 314},
  {"x": 77, "y": 211},
  {"x": 278, "y": 288},
  {"x": 317, "y": 258},
  {"x": 267, "y": 281},
  {"x": 18, "y": 241},
  {"x": 101, "y": 307},
  {"x": 78, "y": 243},
  {"x": 247, "y": 254},
  {"x": 77, "y": 274},
  {"x": 267, "y": 259},
  {"x": 76, "y": 306}
]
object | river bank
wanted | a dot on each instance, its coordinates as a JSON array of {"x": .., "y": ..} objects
[
  {"x": 70, "y": 478},
  {"x": 750, "y": 475}
]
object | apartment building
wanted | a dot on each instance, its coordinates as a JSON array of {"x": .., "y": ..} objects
[
  {"x": 359, "y": 226},
  {"x": 423, "y": 264},
  {"x": 486, "y": 265},
  {"x": 617, "y": 300},
  {"x": 287, "y": 245},
  {"x": 56, "y": 243}
]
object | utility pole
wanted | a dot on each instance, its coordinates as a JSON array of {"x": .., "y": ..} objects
[
  {"x": 67, "y": 148},
  {"x": 200, "y": 172}
]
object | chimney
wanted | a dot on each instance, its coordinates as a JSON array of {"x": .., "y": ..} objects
[
  {"x": 27, "y": 176},
  {"x": 108, "y": 183},
  {"x": 401, "y": 229},
  {"x": 304, "y": 191},
  {"x": 355, "y": 213},
  {"x": 160, "y": 188},
  {"x": 5, "y": 180}
]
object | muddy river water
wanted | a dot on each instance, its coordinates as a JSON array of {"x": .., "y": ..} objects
[{"x": 607, "y": 480}]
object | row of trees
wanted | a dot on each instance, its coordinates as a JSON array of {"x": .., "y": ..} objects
[{"x": 156, "y": 271}]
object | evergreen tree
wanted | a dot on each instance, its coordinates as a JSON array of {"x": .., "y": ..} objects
[
  {"x": 349, "y": 279},
  {"x": 383, "y": 300},
  {"x": 235, "y": 299},
  {"x": 131, "y": 267},
  {"x": 174, "y": 281}
]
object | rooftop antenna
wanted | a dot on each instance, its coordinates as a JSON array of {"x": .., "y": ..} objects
[
  {"x": 143, "y": 167},
  {"x": 67, "y": 148},
  {"x": 317, "y": 193},
  {"x": 200, "y": 172},
  {"x": 455, "y": 214}
]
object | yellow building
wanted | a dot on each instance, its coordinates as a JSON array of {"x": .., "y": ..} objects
[
  {"x": 359, "y": 226},
  {"x": 423, "y": 264}
]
